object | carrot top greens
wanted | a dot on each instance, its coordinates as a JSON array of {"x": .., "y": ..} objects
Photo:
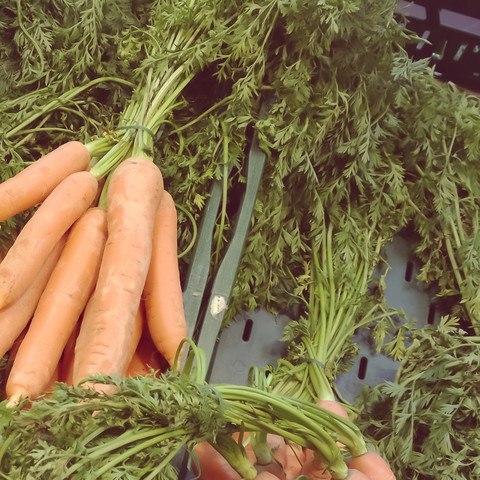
[
  {"x": 137, "y": 431},
  {"x": 427, "y": 420}
]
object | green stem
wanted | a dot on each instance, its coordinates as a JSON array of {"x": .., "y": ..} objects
[
  {"x": 25, "y": 32},
  {"x": 235, "y": 455},
  {"x": 138, "y": 448},
  {"x": 203, "y": 114},
  {"x": 167, "y": 105},
  {"x": 99, "y": 147},
  {"x": 260, "y": 447},
  {"x": 153, "y": 474},
  {"x": 453, "y": 261},
  {"x": 194, "y": 230},
  {"x": 288, "y": 410},
  {"x": 114, "y": 156},
  {"x": 64, "y": 98}
]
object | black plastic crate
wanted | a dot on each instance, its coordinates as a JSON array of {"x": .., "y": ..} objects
[{"x": 451, "y": 33}]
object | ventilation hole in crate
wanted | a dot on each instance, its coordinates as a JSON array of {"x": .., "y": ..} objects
[
  {"x": 409, "y": 271},
  {"x": 362, "y": 368},
  {"x": 431, "y": 314},
  {"x": 247, "y": 330}
]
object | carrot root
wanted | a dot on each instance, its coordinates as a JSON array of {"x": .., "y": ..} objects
[
  {"x": 60, "y": 306},
  {"x": 372, "y": 465},
  {"x": 163, "y": 291},
  {"x": 33, "y": 184},
  {"x": 133, "y": 195},
  {"x": 67, "y": 202}
]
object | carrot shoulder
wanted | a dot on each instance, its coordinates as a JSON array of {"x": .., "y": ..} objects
[
  {"x": 52, "y": 219},
  {"x": 33, "y": 184},
  {"x": 61, "y": 304},
  {"x": 314, "y": 467},
  {"x": 372, "y": 465},
  {"x": 133, "y": 196},
  {"x": 15, "y": 317},
  {"x": 163, "y": 291}
]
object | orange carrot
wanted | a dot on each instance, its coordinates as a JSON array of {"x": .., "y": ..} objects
[
  {"x": 295, "y": 456},
  {"x": 264, "y": 475},
  {"x": 52, "y": 381},
  {"x": 33, "y": 184},
  {"x": 163, "y": 291},
  {"x": 146, "y": 357},
  {"x": 314, "y": 467},
  {"x": 355, "y": 475},
  {"x": 60, "y": 306},
  {"x": 212, "y": 465},
  {"x": 133, "y": 196},
  {"x": 13, "y": 353},
  {"x": 138, "y": 329},
  {"x": 15, "y": 317},
  {"x": 66, "y": 362},
  {"x": 52, "y": 219},
  {"x": 333, "y": 406},
  {"x": 372, "y": 465}
]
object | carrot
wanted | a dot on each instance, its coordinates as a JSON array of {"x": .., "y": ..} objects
[
  {"x": 265, "y": 475},
  {"x": 355, "y": 475},
  {"x": 333, "y": 406},
  {"x": 60, "y": 306},
  {"x": 33, "y": 184},
  {"x": 313, "y": 467},
  {"x": 372, "y": 465},
  {"x": 52, "y": 219},
  {"x": 146, "y": 357},
  {"x": 212, "y": 465},
  {"x": 294, "y": 458},
  {"x": 163, "y": 291},
  {"x": 52, "y": 381},
  {"x": 134, "y": 193},
  {"x": 138, "y": 329},
  {"x": 13, "y": 353},
  {"x": 66, "y": 362},
  {"x": 278, "y": 456},
  {"x": 15, "y": 317}
]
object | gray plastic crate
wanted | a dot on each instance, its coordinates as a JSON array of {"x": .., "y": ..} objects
[{"x": 255, "y": 338}]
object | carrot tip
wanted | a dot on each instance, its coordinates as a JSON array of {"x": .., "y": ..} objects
[{"x": 14, "y": 400}]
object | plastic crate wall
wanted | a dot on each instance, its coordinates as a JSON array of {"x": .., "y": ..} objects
[
  {"x": 451, "y": 30},
  {"x": 255, "y": 338}
]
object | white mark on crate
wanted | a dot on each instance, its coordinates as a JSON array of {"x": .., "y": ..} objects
[{"x": 218, "y": 305}]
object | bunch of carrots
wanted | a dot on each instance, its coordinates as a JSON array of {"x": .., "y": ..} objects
[
  {"x": 91, "y": 283},
  {"x": 285, "y": 460},
  {"x": 275, "y": 457}
]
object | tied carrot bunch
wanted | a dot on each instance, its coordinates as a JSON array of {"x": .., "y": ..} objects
[
  {"x": 230, "y": 431},
  {"x": 92, "y": 277}
]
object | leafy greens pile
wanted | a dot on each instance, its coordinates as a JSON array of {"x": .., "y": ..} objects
[
  {"x": 137, "y": 431},
  {"x": 427, "y": 421}
]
